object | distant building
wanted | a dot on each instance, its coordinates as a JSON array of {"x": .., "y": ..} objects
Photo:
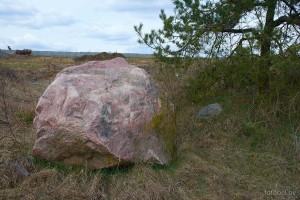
[{"x": 24, "y": 52}]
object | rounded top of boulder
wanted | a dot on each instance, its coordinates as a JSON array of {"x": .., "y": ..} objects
[{"x": 94, "y": 66}]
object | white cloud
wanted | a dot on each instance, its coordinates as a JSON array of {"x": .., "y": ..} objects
[
  {"x": 113, "y": 33},
  {"x": 15, "y": 8},
  {"x": 17, "y": 13},
  {"x": 27, "y": 41},
  {"x": 83, "y": 25},
  {"x": 46, "y": 20},
  {"x": 135, "y": 6},
  {"x": 30, "y": 41}
]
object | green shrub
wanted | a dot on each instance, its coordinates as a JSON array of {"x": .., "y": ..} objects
[
  {"x": 237, "y": 73},
  {"x": 256, "y": 135},
  {"x": 26, "y": 116}
]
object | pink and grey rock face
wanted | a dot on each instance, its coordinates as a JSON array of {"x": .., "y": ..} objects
[{"x": 102, "y": 114}]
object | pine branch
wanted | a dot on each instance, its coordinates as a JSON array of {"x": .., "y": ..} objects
[
  {"x": 246, "y": 30},
  {"x": 294, "y": 19},
  {"x": 290, "y": 6}
]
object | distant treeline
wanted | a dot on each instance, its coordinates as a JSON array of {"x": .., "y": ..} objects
[{"x": 75, "y": 54}]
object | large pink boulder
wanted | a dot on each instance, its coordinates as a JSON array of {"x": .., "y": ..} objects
[{"x": 103, "y": 114}]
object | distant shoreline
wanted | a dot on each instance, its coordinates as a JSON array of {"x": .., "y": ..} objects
[{"x": 76, "y": 54}]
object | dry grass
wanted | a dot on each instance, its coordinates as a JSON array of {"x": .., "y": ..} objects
[{"x": 222, "y": 158}]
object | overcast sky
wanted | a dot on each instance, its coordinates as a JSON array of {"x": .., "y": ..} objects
[{"x": 78, "y": 25}]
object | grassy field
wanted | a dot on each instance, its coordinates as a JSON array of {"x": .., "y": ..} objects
[{"x": 247, "y": 152}]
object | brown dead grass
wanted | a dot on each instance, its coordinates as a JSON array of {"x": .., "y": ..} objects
[
  {"x": 214, "y": 157},
  {"x": 49, "y": 184}
]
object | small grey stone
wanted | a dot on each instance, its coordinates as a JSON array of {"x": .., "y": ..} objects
[
  {"x": 18, "y": 168},
  {"x": 210, "y": 111}
]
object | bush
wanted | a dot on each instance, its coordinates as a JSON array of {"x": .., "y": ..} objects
[
  {"x": 100, "y": 56},
  {"x": 7, "y": 73},
  {"x": 26, "y": 116}
]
